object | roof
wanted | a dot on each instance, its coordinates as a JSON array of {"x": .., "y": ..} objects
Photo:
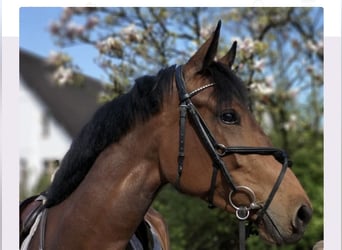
[{"x": 72, "y": 106}]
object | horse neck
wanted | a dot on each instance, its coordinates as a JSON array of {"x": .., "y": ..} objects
[{"x": 114, "y": 196}]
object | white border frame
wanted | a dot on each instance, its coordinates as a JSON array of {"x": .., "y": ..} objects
[{"x": 332, "y": 105}]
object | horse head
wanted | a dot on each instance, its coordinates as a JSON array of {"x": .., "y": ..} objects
[{"x": 223, "y": 155}]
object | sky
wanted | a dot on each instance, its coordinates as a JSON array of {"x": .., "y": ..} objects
[
  {"x": 33, "y": 24},
  {"x": 34, "y": 36}
]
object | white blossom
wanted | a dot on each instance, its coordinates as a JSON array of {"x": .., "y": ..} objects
[
  {"x": 206, "y": 30},
  {"x": 53, "y": 57},
  {"x": 291, "y": 123},
  {"x": 293, "y": 118},
  {"x": 293, "y": 92},
  {"x": 131, "y": 33},
  {"x": 311, "y": 46},
  {"x": 269, "y": 80},
  {"x": 55, "y": 28},
  {"x": 247, "y": 47},
  {"x": 74, "y": 29},
  {"x": 63, "y": 75},
  {"x": 262, "y": 88},
  {"x": 128, "y": 29},
  {"x": 66, "y": 14},
  {"x": 259, "y": 64},
  {"x": 108, "y": 45},
  {"x": 57, "y": 58},
  {"x": 92, "y": 21}
]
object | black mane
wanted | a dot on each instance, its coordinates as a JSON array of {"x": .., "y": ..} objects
[
  {"x": 117, "y": 117},
  {"x": 109, "y": 123}
]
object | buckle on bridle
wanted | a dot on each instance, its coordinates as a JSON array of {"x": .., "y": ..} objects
[{"x": 220, "y": 149}]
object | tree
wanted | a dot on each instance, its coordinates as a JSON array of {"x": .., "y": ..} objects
[{"x": 280, "y": 58}]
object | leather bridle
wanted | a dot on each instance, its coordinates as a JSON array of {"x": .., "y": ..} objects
[{"x": 217, "y": 151}]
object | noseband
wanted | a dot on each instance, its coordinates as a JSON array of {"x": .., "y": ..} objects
[{"x": 217, "y": 151}]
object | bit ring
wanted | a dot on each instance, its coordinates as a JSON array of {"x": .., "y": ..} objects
[{"x": 242, "y": 208}]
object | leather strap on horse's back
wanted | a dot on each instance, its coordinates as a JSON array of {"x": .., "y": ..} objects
[
  {"x": 144, "y": 235},
  {"x": 30, "y": 208}
]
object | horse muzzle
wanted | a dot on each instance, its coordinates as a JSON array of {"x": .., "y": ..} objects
[{"x": 271, "y": 230}]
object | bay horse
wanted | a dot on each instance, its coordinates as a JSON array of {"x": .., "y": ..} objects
[{"x": 189, "y": 125}]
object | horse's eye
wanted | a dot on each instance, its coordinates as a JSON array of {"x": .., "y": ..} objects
[{"x": 230, "y": 117}]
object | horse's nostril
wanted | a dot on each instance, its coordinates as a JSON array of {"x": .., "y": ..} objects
[{"x": 304, "y": 215}]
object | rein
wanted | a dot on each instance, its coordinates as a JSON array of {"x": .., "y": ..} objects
[{"x": 216, "y": 152}]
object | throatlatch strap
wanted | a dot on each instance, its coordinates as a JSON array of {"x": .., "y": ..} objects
[{"x": 181, "y": 155}]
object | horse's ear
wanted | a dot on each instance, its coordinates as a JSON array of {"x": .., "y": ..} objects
[
  {"x": 229, "y": 58},
  {"x": 204, "y": 55}
]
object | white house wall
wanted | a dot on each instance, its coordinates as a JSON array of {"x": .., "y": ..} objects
[{"x": 34, "y": 147}]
